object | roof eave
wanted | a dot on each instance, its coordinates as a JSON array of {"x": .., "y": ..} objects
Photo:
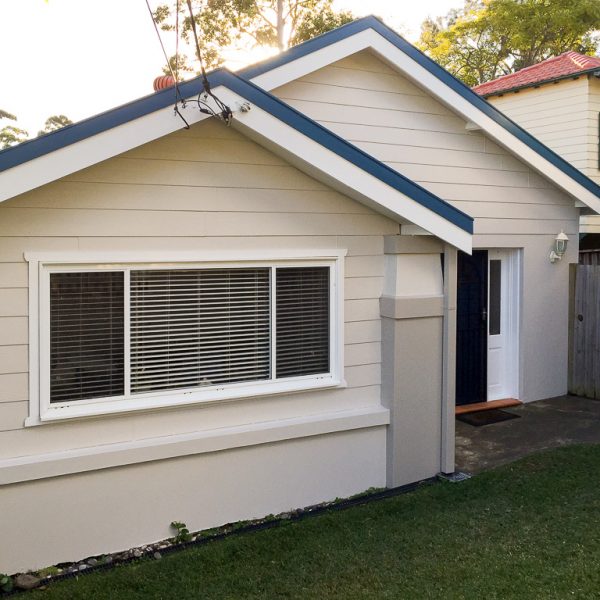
[
  {"x": 536, "y": 84},
  {"x": 153, "y": 117},
  {"x": 519, "y": 141}
]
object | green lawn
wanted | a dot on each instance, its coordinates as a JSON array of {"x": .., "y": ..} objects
[{"x": 528, "y": 530}]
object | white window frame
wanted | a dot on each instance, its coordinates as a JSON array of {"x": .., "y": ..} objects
[{"x": 41, "y": 265}]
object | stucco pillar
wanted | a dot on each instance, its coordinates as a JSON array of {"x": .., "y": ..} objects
[{"x": 413, "y": 346}]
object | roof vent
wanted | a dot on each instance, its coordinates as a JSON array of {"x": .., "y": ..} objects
[{"x": 163, "y": 82}]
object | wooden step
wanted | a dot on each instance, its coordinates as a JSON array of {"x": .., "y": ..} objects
[{"x": 492, "y": 404}]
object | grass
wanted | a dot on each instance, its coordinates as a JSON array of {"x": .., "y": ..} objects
[{"x": 527, "y": 530}]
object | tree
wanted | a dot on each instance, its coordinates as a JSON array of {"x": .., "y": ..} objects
[
  {"x": 55, "y": 122},
  {"x": 9, "y": 134},
  {"x": 227, "y": 24},
  {"x": 489, "y": 38}
]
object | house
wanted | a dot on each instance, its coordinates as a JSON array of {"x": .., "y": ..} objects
[
  {"x": 219, "y": 323},
  {"x": 558, "y": 101}
]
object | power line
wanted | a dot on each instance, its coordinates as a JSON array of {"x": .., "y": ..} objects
[
  {"x": 163, "y": 48},
  {"x": 178, "y": 96},
  {"x": 226, "y": 113}
]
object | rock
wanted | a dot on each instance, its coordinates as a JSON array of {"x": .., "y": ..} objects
[
  {"x": 137, "y": 553},
  {"x": 92, "y": 562},
  {"x": 26, "y": 581},
  {"x": 107, "y": 560},
  {"x": 157, "y": 555},
  {"x": 82, "y": 567}
]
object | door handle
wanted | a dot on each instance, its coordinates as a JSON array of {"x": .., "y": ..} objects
[{"x": 484, "y": 315}]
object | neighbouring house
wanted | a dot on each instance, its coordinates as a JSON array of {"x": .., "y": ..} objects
[
  {"x": 558, "y": 101},
  {"x": 219, "y": 323}
]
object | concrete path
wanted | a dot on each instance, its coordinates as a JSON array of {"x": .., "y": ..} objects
[{"x": 544, "y": 424}]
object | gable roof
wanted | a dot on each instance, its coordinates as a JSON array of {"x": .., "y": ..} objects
[
  {"x": 369, "y": 32},
  {"x": 551, "y": 69},
  {"x": 273, "y": 123},
  {"x": 366, "y": 33}
]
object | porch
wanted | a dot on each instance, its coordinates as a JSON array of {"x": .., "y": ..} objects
[{"x": 544, "y": 424}]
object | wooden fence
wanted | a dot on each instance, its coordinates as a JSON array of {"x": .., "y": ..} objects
[
  {"x": 589, "y": 257},
  {"x": 584, "y": 331}
]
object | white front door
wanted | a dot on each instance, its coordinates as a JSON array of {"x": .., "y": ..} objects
[{"x": 502, "y": 318}]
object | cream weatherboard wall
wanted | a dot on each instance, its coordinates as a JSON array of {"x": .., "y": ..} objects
[
  {"x": 593, "y": 120},
  {"x": 203, "y": 190},
  {"x": 562, "y": 115},
  {"x": 369, "y": 103},
  {"x": 565, "y": 115}
]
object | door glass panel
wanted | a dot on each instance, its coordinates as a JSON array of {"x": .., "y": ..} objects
[{"x": 495, "y": 294}]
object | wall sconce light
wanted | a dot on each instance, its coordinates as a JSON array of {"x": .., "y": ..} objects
[{"x": 560, "y": 247}]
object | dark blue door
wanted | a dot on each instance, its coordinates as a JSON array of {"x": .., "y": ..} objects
[{"x": 471, "y": 327}]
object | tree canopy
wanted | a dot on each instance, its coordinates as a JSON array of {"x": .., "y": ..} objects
[
  {"x": 55, "y": 122},
  {"x": 489, "y": 38},
  {"x": 11, "y": 135},
  {"x": 225, "y": 24}
]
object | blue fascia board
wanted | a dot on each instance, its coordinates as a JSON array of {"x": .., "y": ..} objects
[
  {"x": 317, "y": 43},
  {"x": 40, "y": 146},
  {"x": 371, "y": 22},
  {"x": 26, "y": 151},
  {"x": 118, "y": 116},
  {"x": 364, "y": 161}
]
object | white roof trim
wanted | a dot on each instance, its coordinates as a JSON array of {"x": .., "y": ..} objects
[
  {"x": 370, "y": 39},
  {"x": 92, "y": 150},
  {"x": 333, "y": 170},
  {"x": 301, "y": 150}
]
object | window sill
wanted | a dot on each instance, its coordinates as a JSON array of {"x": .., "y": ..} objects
[{"x": 84, "y": 409}]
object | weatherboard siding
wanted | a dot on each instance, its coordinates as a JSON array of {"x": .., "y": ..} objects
[
  {"x": 204, "y": 189},
  {"x": 367, "y": 102},
  {"x": 593, "y": 119},
  {"x": 560, "y": 115}
]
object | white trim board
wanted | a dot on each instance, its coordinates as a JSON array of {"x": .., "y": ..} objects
[
  {"x": 259, "y": 125},
  {"x": 370, "y": 39},
  {"x": 92, "y": 150},
  {"x": 328, "y": 167}
]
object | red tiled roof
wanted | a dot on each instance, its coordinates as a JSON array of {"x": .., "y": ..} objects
[{"x": 569, "y": 63}]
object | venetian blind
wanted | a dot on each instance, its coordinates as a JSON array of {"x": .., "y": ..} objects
[
  {"x": 196, "y": 327},
  {"x": 86, "y": 335},
  {"x": 302, "y": 321}
]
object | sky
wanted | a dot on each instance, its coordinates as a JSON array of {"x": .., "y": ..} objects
[{"x": 79, "y": 57}]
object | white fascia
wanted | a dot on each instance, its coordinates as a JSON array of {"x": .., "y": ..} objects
[
  {"x": 95, "y": 149},
  {"x": 370, "y": 39},
  {"x": 300, "y": 150},
  {"x": 338, "y": 173}
]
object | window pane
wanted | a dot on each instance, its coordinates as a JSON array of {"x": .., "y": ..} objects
[
  {"x": 495, "y": 296},
  {"x": 197, "y": 327},
  {"x": 86, "y": 335},
  {"x": 302, "y": 321}
]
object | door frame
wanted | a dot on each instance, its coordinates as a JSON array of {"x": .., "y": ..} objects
[
  {"x": 511, "y": 315},
  {"x": 511, "y": 302}
]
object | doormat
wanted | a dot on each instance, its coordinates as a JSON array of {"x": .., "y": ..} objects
[{"x": 487, "y": 417}]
